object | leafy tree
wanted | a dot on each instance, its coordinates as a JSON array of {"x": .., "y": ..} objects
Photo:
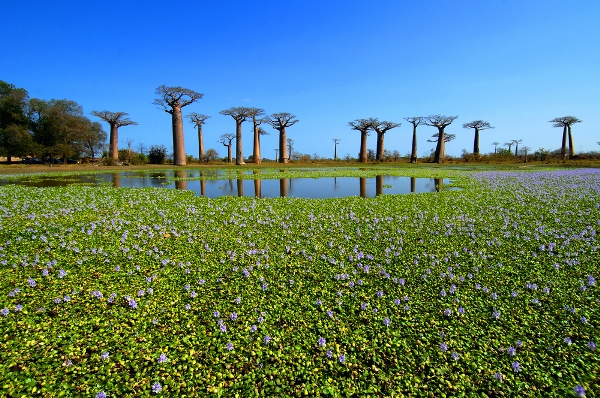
[
  {"x": 211, "y": 155},
  {"x": 381, "y": 128},
  {"x": 157, "y": 154},
  {"x": 226, "y": 141},
  {"x": 198, "y": 120},
  {"x": 172, "y": 99},
  {"x": 93, "y": 139},
  {"x": 281, "y": 121},
  {"x": 15, "y": 138},
  {"x": 440, "y": 122},
  {"x": 478, "y": 125},
  {"x": 362, "y": 125},
  {"x": 565, "y": 122},
  {"x": 115, "y": 120},
  {"x": 239, "y": 114},
  {"x": 415, "y": 121}
]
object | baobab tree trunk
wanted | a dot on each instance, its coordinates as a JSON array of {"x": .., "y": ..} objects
[
  {"x": 440, "y": 149},
  {"x": 239, "y": 157},
  {"x": 563, "y": 149},
  {"x": 229, "y": 154},
  {"x": 362, "y": 155},
  {"x": 256, "y": 153},
  {"x": 283, "y": 155},
  {"x": 476, "y": 142},
  {"x": 178, "y": 147},
  {"x": 378, "y": 185},
  {"x": 571, "y": 146},
  {"x": 413, "y": 154},
  {"x": 113, "y": 149},
  {"x": 363, "y": 187},
  {"x": 200, "y": 144},
  {"x": 283, "y": 187},
  {"x": 240, "y": 187},
  {"x": 380, "y": 146}
]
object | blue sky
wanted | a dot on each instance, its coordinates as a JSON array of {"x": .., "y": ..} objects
[{"x": 515, "y": 64}]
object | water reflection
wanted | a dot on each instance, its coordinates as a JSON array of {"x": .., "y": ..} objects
[{"x": 329, "y": 187}]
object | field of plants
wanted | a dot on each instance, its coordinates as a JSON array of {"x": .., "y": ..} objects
[{"x": 490, "y": 290}]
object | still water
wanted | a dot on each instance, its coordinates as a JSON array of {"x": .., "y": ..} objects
[{"x": 313, "y": 188}]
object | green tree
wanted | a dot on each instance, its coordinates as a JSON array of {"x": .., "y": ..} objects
[
  {"x": 157, "y": 154},
  {"x": 93, "y": 139},
  {"x": 15, "y": 138},
  {"x": 115, "y": 120}
]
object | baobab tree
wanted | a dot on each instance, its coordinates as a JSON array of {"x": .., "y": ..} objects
[
  {"x": 115, "y": 120},
  {"x": 290, "y": 144},
  {"x": 336, "y": 141},
  {"x": 478, "y": 125},
  {"x": 381, "y": 128},
  {"x": 415, "y": 121},
  {"x": 239, "y": 114},
  {"x": 516, "y": 142},
  {"x": 226, "y": 141},
  {"x": 198, "y": 120},
  {"x": 440, "y": 122},
  {"x": 495, "y": 144},
  {"x": 362, "y": 125},
  {"x": 254, "y": 113},
  {"x": 172, "y": 99},
  {"x": 565, "y": 122},
  {"x": 280, "y": 121}
]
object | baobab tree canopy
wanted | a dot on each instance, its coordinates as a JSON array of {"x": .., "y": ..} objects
[
  {"x": 478, "y": 125},
  {"x": 172, "y": 99},
  {"x": 362, "y": 125},
  {"x": 239, "y": 114},
  {"x": 441, "y": 122},
  {"x": 254, "y": 113},
  {"x": 565, "y": 122},
  {"x": 115, "y": 120},
  {"x": 198, "y": 120},
  {"x": 381, "y": 128}
]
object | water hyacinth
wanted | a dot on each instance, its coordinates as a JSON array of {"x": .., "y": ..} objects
[{"x": 481, "y": 238}]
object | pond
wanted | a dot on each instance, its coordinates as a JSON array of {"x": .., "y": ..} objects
[{"x": 312, "y": 188}]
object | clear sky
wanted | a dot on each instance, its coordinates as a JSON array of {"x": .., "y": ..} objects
[{"x": 514, "y": 63}]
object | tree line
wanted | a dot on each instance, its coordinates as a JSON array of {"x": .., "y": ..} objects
[{"x": 58, "y": 127}]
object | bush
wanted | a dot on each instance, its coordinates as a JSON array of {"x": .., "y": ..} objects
[{"x": 157, "y": 154}]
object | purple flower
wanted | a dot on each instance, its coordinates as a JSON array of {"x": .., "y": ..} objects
[
  {"x": 101, "y": 394},
  {"x": 329, "y": 354},
  {"x": 216, "y": 314},
  {"x": 568, "y": 341},
  {"x": 498, "y": 376},
  {"x": 193, "y": 294},
  {"x": 380, "y": 293},
  {"x": 4, "y": 311},
  {"x": 229, "y": 346},
  {"x": 264, "y": 287},
  {"x": 342, "y": 358},
  {"x": 496, "y": 314},
  {"x": 455, "y": 356},
  {"x": 238, "y": 300},
  {"x": 31, "y": 282},
  {"x": 583, "y": 319},
  {"x": 162, "y": 358},
  {"x": 104, "y": 355},
  {"x": 62, "y": 273},
  {"x": 461, "y": 310},
  {"x": 253, "y": 328},
  {"x": 140, "y": 293},
  {"x": 321, "y": 342},
  {"x": 330, "y": 313},
  {"x": 579, "y": 391},
  {"x": 267, "y": 339},
  {"x": 513, "y": 294},
  {"x": 18, "y": 307},
  {"x": 132, "y": 304},
  {"x": 516, "y": 367},
  {"x": 447, "y": 312},
  {"x": 519, "y": 343},
  {"x": 57, "y": 300},
  {"x": 512, "y": 351},
  {"x": 443, "y": 293},
  {"x": 397, "y": 301},
  {"x": 156, "y": 388},
  {"x": 591, "y": 345},
  {"x": 443, "y": 347},
  {"x": 222, "y": 328}
]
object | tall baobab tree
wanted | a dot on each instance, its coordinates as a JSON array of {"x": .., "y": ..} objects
[
  {"x": 441, "y": 122},
  {"x": 239, "y": 114},
  {"x": 565, "y": 122},
  {"x": 495, "y": 144},
  {"x": 415, "y": 121},
  {"x": 478, "y": 125},
  {"x": 115, "y": 120},
  {"x": 516, "y": 142},
  {"x": 172, "y": 99},
  {"x": 381, "y": 128},
  {"x": 336, "y": 141},
  {"x": 254, "y": 113},
  {"x": 226, "y": 141},
  {"x": 280, "y": 121},
  {"x": 362, "y": 125},
  {"x": 198, "y": 120}
]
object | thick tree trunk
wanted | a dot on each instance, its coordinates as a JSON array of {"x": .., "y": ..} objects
[
  {"x": 283, "y": 155},
  {"x": 239, "y": 157},
  {"x": 256, "y": 152},
  {"x": 362, "y": 155},
  {"x": 571, "y": 146},
  {"x": 200, "y": 144},
  {"x": 476, "y": 142},
  {"x": 240, "y": 187},
  {"x": 283, "y": 187},
  {"x": 113, "y": 149},
  {"x": 563, "y": 149},
  {"x": 257, "y": 188},
  {"x": 378, "y": 185},
  {"x": 413, "y": 153},
  {"x": 178, "y": 146},
  {"x": 440, "y": 149},
  {"x": 380, "y": 146},
  {"x": 229, "y": 154}
]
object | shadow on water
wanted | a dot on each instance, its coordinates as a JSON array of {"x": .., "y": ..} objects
[{"x": 328, "y": 187}]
